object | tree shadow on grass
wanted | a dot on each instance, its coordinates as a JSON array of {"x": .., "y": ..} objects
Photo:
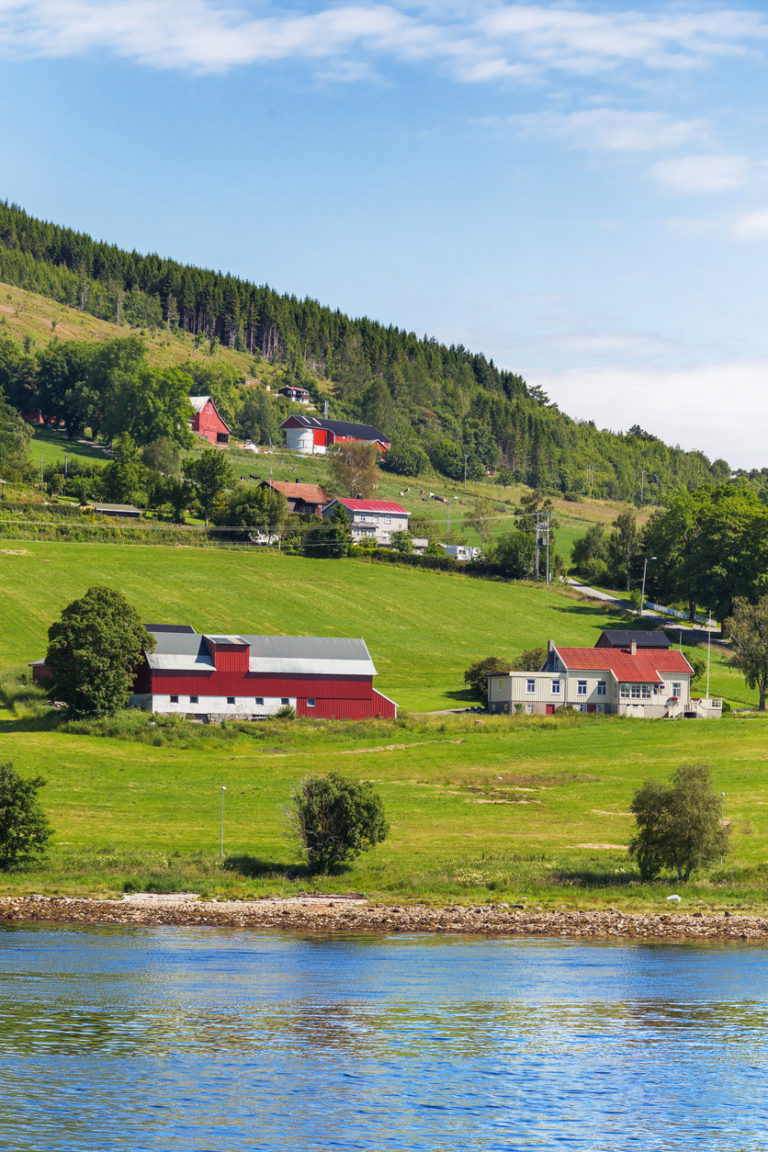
[
  {"x": 463, "y": 695},
  {"x": 254, "y": 868},
  {"x": 595, "y": 878}
]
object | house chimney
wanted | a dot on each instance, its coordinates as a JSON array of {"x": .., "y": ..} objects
[{"x": 633, "y": 647}]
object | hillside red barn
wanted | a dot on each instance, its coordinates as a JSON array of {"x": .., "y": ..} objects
[
  {"x": 252, "y": 677},
  {"x": 207, "y": 422},
  {"x": 314, "y": 436}
]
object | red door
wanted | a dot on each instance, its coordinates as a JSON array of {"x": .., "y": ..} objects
[
  {"x": 591, "y": 707},
  {"x": 550, "y": 709}
]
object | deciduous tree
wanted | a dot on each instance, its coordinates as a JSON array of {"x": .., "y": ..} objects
[
  {"x": 24, "y": 829},
  {"x": 335, "y": 819},
  {"x": 211, "y": 474},
  {"x": 354, "y": 469},
  {"x": 749, "y": 641},
  {"x": 679, "y": 824},
  {"x": 476, "y": 676},
  {"x": 94, "y": 650}
]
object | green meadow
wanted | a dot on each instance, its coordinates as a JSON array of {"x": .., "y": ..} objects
[{"x": 481, "y": 808}]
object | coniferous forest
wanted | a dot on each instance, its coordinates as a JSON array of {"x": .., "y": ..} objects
[{"x": 439, "y": 404}]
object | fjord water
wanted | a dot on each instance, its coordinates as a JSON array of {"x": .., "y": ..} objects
[{"x": 190, "y": 1039}]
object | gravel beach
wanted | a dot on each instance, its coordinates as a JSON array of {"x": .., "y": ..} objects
[{"x": 342, "y": 915}]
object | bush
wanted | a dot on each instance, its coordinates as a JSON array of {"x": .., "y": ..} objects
[
  {"x": 679, "y": 824},
  {"x": 476, "y": 676},
  {"x": 24, "y": 829},
  {"x": 335, "y": 819}
]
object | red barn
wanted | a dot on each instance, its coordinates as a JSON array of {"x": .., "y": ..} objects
[
  {"x": 252, "y": 677},
  {"x": 207, "y": 422},
  {"x": 314, "y": 436}
]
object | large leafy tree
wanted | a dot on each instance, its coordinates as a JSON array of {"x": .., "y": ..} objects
[
  {"x": 14, "y": 443},
  {"x": 124, "y": 476},
  {"x": 94, "y": 650},
  {"x": 247, "y": 506},
  {"x": 211, "y": 475},
  {"x": 678, "y": 824},
  {"x": 749, "y": 642},
  {"x": 354, "y": 469},
  {"x": 334, "y": 819},
  {"x": 476, "y": 676},
  {"x": 24, "y": 829}
]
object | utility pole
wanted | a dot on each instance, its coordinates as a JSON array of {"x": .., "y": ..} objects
[
  {"x": 549, "y": 575},
  {"x": 536, "y": 553}
]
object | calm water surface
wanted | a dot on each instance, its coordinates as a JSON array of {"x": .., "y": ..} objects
[{"x": 192, "y": 1039}]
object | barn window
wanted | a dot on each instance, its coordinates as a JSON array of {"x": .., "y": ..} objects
[
  {"x": 260, "y": 700},
  {"x": 174, "y": 699},
  {"x": 284, "y": 700},
  {"x": 193, "y": 699},
  {"x": 310, "y": 703},
  {"x": 230, "y": 699}
]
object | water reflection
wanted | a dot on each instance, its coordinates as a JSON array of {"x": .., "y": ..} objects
[{"x": 192, "y": 1039}]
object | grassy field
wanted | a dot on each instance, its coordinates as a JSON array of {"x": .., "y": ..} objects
[
  {"x": 422, "y": 628},
  {"x": 481, "y": 807}
]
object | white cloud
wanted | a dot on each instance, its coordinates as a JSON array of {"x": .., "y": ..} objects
[
  {"x": 705, "y": 173},
  {"x": 720, "y": 408},
  {"x": 481, "y": 42},
  {"x": 618, "y": 130},
  {"x": 753, "y": 225}
]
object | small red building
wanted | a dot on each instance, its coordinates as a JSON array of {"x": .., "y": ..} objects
[
  {"x": 207, "y": 422},
  {"x": 252, "y": 677}
]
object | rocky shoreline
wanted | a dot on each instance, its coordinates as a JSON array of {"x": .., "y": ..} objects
[{"x": 354, "y": 915}]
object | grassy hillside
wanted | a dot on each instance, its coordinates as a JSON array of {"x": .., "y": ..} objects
[{"x": 422, "y": 628}]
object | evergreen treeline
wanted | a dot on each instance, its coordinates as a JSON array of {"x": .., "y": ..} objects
[{"x": 441, "y": 405}]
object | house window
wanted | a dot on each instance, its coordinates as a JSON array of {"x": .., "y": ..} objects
[
  {"x": 530, "y": 685},
  {"x": 501, "y": 682},
  {"x": 635, "y": 691},
  {"x": 582, "y": 688},
  {"x": 555, "y": 687},
  {"x": 310, "y": 703},
  {"x": 646, "y": 690},
  {"x": 230, "y": 699},
  {"x": 260, "y": 700},
  {"x": 387, "y": 519},
  {"x": 193, "y": 699},
  {"x": 624, "y": 690},
  {"x": 174, "y": 699},
  {"x": 676, "y": 689},
  {"x": 284, "y": 700},
  {"x": 601, "y": 687},
  {"x": 529, "y": 709},
  {"x": 363, "y": 517}
]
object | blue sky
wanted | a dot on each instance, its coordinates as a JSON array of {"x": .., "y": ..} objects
[{"x": 578, "y": 190}]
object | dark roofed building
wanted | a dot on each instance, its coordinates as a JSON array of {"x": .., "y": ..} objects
[
  {"x": 624, "y": 638},
  {"x": 303, "y": 499},
  {"x": 314, "y": 435}
]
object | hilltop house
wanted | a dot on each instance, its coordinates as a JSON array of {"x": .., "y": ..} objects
[
  {"x": 251, "y": 677},
  {"x": 371, "y": 518},
  {"x": 626, "y": 673},
  {"x": 314, "y": 436},
  {"x": 207, "y": 422},
  {"x": 298, "y": 395}
]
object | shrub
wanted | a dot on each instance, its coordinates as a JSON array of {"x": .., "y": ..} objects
[
  {"x": 335, "y": 819},
  {"x": 24, "y": 829},
  {"x": 679, "y": 824}
]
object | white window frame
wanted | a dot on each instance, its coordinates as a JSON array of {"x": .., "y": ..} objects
[
  {"x": 530, "y": 686},
  {"x": 581, "y": 688},
  {"x": 645, "y": 691},
  {"x": 601, "y": 688},
  {"x": 624, "y": 691},
  {"x": 311, "y": 702},
  {"x": 635, "y": 691},
  {"x": 556, "y": 687},
  {"x": 530, "y": 708},
  {"x": 677, "y": 689}
]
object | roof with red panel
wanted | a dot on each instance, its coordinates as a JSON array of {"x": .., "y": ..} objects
[
  {"x": 642, "y": 668},
  {"x": 373, "y": 506}
]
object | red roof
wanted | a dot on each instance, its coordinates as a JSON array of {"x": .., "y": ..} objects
[
  {"x": 309, "y": 493},
  {"x": 642, "y": 668},
  {"x": 373, "y": 506}
]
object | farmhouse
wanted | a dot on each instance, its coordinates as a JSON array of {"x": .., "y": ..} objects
[
  {"x": 252, "y": 677},
  {"x": 298, "y": 395},
  {"x": 626, "y": 673},
  {"x": 314, "y": 436},
  {"x": 303, "y": 499},
  {"x": 376, "y": 519},
  {"x": 207, "y": 422}
]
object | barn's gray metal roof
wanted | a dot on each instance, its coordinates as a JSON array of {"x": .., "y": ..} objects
[{"x": 310, "y": 655}]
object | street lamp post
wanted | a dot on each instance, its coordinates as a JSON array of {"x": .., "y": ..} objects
[
  {"x": 221, "y": 833},
  {"x": 645, "y": 569}
]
